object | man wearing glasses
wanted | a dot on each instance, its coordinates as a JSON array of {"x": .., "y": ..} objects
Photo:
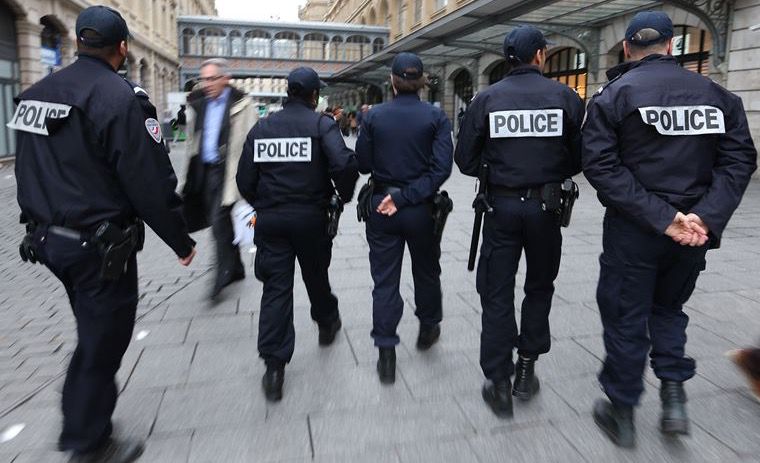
[{"x": 220, "y": 119}]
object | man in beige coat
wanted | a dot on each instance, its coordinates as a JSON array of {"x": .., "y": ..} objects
[{"x": 219, "y": 117}]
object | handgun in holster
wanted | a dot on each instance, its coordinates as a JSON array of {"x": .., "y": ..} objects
[
  {"x": 27, "y": 249},
  {"x": 116, "y": 246},
  {"x": 364, "y": 201},
  {"x": 442, "y": 207},
  {"x": 570, "y": 194},
  {"x": 334, "y": 210}
]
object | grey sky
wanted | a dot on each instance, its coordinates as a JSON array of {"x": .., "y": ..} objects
[{"x": 286, "y": 10}]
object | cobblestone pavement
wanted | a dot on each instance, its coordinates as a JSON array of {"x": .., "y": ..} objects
[{"x": 190, "y": 380}]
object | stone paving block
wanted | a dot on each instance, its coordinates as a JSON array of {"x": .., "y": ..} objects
[
  {"x": 309, "y": 354},
  {"x": 738, "y": 423},
  {"x": 437, "y": 374},
  {"x": 136, "y": 410},
  {"x": 704, "y": 344},
  {"x": 436, "y": 451},
  {"x": 721, "y": 372},
  {"x": 566, "y": 359},
  {"x": 533, "y": 444},
  {"x": 364, "y": 348},
  {"x": 574, "y": 292},
  {"x": 42, "y": 426},
  {"x": 252, "y": 444},
  {"x": 162, "y": 366},
  {"x": 220, "y": 328},
  {"x": 574, "y": 320},
  {"x": 175, "y": 449},
  {"x": 156, "y": 333},
  {"x": 373, "y": 428},
  {"x": 225, "y": 360},
  {"x": 39, "y": 456},
  {"x": 223, "y": 403},
  {"x": 457, "y": 334},
  {"x": 383, "y": 456}
]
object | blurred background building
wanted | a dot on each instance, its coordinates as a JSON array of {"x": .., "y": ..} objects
[{"x": 37, "y": 37}]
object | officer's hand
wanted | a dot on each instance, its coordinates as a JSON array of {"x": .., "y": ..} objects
[
  {"x": 185, "y": 261},
  {"x": 697, "y": 224},
  {"x": 387, "y": 206},
  {"x": 686, "y": 233}
]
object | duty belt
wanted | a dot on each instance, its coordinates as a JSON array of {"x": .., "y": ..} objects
[
  {"x": 68, "y": 233},
  {"x": 526, "y": 193},
  {"x": 385, "y": 189}
]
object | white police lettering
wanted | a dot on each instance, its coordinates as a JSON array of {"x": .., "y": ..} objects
[
  {"x": 684, "y": 120},
  {"x": 526, "y": 123},
  {"x": 31, "y": 115},
  {"x": 282, "y": 150}
]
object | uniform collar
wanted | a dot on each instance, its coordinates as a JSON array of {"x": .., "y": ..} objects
[
  {"x": 525, "y": 69},
  {"x": 407, "y": 97},
  {"x": 622, "y": 68},
  {"x": 298, "y": 102},
  {"x": 93, "y": 59}
]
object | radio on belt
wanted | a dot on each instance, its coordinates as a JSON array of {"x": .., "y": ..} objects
[{"x": 282, "y": 149}]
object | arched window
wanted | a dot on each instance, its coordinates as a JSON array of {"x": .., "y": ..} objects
[
  {"x": 50, "y": 39},
  {"x": 315, "y": 46},
  {"x": 213, "y": 42},
  {"x": 568, "y": 66},
  {"x": 337, "y": 53},
  {"x": 691, "y": 48},
  {"x": 377, "y": 45},
  {"x": 462, "y": 90},
  {"x": 498, "y": 72},
  {"x": 357, "y": 48},
  {"x": 257, "y": 44},
  {"x": 236, "y": 43},
  {"x": 189, "y": 43},
  {"x": 285, "y": 45}
]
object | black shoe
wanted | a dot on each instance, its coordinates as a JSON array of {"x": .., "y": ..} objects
[
  {"x": 112, "y": 451},
  {"x": 386, "y": 365},
  {"x": 674, "y": 419},
  {"x": 222, "y": 282},
  {"x": 526, "y": 383},
  {"x": 616, "y": 421},
  {"x": 327, "y": 332},
  {"x": 272, "y": 383},
  {"x": 498, "y": 396},
  {"x": 428, "y": 336}
]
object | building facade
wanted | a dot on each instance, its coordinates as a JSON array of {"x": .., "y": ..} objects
[
  {"x": 37, "y": 37},
  {"x": 460, "y": 41}
]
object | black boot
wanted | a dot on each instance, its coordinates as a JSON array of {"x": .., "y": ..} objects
[
  {"x": 327, "y": 332},
  {"x": 386, "y": 365},
  {"x": 674, "y": 419},
  {"x": 616, "y": 421},
  {"x": 272, "y": 382},
  {"x": 112, "y": 451},
  {"x": 498, "y": 396},
  {"x": 526, "y": 383},
  {"x": 428, "y": 336}
]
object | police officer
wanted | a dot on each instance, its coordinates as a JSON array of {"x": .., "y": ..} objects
[
  {"x": 292, "y": 164},
  {"x": 90, "y": 158},
  {"x": 406, "y": 146},
  {"x": 526, "y": 128},
  {"x": 670, "y": 155}
]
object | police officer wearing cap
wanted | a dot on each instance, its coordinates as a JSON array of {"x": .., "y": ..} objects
[
  {"x": 526, "y": 129},
  {"x": 293, "y": 163},
  {"x": 90, "y": 161},
  {"x": 406, "y": 145},
  {"x": 670, "y": 155}
]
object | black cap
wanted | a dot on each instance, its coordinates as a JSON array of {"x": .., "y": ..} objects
[
  {"x": 106, "y": 22},
  {"x": 407, "y": 66},
  {"x": 522, "y": 43},
  {"x": 649, "y": 27},
  {"x": 304, "y": 80}
]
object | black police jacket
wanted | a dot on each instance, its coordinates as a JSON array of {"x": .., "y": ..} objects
[
  {"x": 660, "y": 139},
  {"x": 295, "y": 156},
  {"x": 406, "y": 143},
  {"x": 526, "y": 127},
  {"x": 89, "y": 149}
]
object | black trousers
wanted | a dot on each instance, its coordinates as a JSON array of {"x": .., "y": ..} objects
[
  {"x": 413, "y": 226},
  {"x": 515, "y": 225},
  {"x": 228, "y": 262},
  {"x": 644, "y": 281},
  {"x": 284, "y": 234},
  {"x": 105, "y": 316}
]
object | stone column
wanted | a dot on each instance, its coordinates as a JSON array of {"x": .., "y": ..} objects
[
  {"x": 29, "y": 45},
  {"x": 743, "y": 59}
]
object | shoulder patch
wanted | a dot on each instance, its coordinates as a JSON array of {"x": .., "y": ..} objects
[
  {"x": 154, "y": 129},
  {"x": 31, "y": 116},
  {"x": 139, "y": 91}
]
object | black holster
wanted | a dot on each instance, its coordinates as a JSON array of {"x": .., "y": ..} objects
[
  {"x": 442, "y": 207},
  {"x": 116, "y": 246},
  {"x": 559, "y": 198},
  {"x": 334, "y": 210},
  {"x": 27, "y": 249},
  {"x": 364, "y": 201}
]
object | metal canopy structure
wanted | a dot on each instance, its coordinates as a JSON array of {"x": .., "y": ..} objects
[{"x": 461, "y": 37}]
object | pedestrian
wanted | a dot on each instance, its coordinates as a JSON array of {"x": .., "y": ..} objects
[
  {"x": 180, "y": 123},
  {"x": 505, "y": 126},
  {"x": 294, "y": 163},
  {"x": 460, "y": 118},
  {"x": 406, "y": 146},
  {"x": 220, "y": 116},
  {"x": 86, "y": 177},
  {"x": 670, "y": 155}
]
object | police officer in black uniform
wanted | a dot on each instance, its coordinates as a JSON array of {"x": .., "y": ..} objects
[
  {"x": 406, "y": 146},
  {"x": 90, "y": 161},
  {"x": 293, "y": 162},
  {"x": 670, "y": 155},
  {"x": 526, "y": 128}
]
